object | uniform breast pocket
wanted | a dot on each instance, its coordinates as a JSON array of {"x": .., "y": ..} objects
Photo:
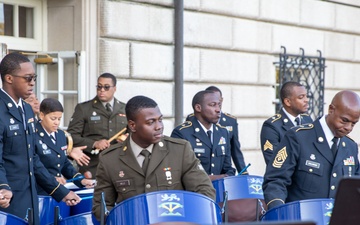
[
  {"x": 94, "y": 121},
  {"x": 308, "y": 175},
  {"x": 125, "y": 187},
  {"x": 168, "y": 180},
  {"x": 15, "y": 130},
  {"x": 348, "y": 170}
]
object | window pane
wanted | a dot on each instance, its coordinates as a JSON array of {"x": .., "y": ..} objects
[
  {"x": 26, "y": 22},
  {"x": 6, "y": 19}
]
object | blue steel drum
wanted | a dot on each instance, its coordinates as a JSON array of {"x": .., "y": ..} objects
[
  {"x": 81, "y": 219},
  {"x": 85, "y": 204},
  {"x": 239, "y": 187},
  {"x": 46, "y": 209},
  {"x": 318, "y": 210},
  {"x": 165, "y": 206},
  {"x": 8, "y": 219}
]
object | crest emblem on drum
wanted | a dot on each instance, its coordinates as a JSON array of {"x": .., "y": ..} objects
[
  {"x": 170, "y": 205},
  {"x": 121, "y": 174},
  {"x": 255, "y": 185},
  {"x": 328, "y": 207}
]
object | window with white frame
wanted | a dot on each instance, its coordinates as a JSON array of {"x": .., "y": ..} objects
[{"x": 21, "y": 24}]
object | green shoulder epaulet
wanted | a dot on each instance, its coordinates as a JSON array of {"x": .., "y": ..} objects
[
  {"x": 275, "y": 117},
  {"x": 307, "y": 126},
  {"x": 186, "y": 124},
  {"x": 112, "y": 148}
]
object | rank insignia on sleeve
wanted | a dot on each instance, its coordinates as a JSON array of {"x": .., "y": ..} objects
[
  {"x": 268, "y": 145},
  {"x": 280, "y": 158}
]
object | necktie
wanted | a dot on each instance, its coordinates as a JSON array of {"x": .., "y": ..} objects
[
  {"x": 53, "y": 138},
  {"x": 209, "y": 135},
  {"x": 334, "y": 145},
  {"x": 22, "y": 116},
  {"x": 145, "y": 164},
  {"x": 297, "y": 120},
  {"x": 108, "y": 107}
]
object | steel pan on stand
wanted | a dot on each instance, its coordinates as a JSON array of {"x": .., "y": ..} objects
[
  {"x": 80, "y": 219},
  {"x": 245, "y": 196},
  {"x": 85, "y": 204},
  {"x": 9, "y": 219},
  {"x": 165, "y": 206},
  {"x": 46, "y": 209},
  {"x": 318, "y": 210}
]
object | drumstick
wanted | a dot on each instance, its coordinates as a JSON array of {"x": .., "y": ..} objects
[
  {"x": 244, "y": 169},
  {"x": 96, "y": 151}
]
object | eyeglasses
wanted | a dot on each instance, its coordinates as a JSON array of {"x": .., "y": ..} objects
[
  {"x": 28, "y": 78},
  {"x": 106, "y": 87}
]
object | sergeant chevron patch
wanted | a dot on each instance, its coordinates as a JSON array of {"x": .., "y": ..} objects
[
  {"x": 280, "y": 158},
  {"x": 268, "y": 145}
]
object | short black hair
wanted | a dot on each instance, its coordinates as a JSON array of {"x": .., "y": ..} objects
[
  {"x": 214, "y": 89},
  {"x": 287, "y": 89},
  {"x": 11, "y": 63},
  {"x": 108, "y": 75},
  {"x": 135, "y": 104},
  {"x": 49, "y": 105},
  {"x": 199, "y": 97}
]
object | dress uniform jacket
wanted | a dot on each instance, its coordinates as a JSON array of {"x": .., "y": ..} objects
[
  {"x": 91, "y": 122},
  {"x": 173, "y": 166},
  {"x": 304, "y": 166},
  {"x": 216, "y": 157},
  {"x": 20, "y": 165},
  {"x": 54, "y": 156},
  {"x": 230, "y": 123},
  {"x": 274, "y": 129}
]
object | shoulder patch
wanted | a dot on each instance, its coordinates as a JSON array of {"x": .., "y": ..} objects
[
  {"x": 186, "y": 124},
  {"x": 307, "y": 126},
  {"x": 112, "y": 148},
  {"x": 229, "y": 115},
  {"x": 275, "y": 117}
]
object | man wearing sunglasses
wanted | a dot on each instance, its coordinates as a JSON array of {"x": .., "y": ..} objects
[
  {"x": 94, "y": 122},
  {"x": 20, "y": 166}
]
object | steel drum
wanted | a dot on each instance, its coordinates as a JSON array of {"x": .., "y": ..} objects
[
  {"x": 245, "y": 197},
  {"x": 318, "y": 210},
  {"x": 46, "y": 209},
  {"x": 85, "y": 204},
  {"x": 165, "y": 206},
  {"x": 81, "y": 219},
  {"x": 8, "y": 219},
  {"x": 239, "y": 187}
]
